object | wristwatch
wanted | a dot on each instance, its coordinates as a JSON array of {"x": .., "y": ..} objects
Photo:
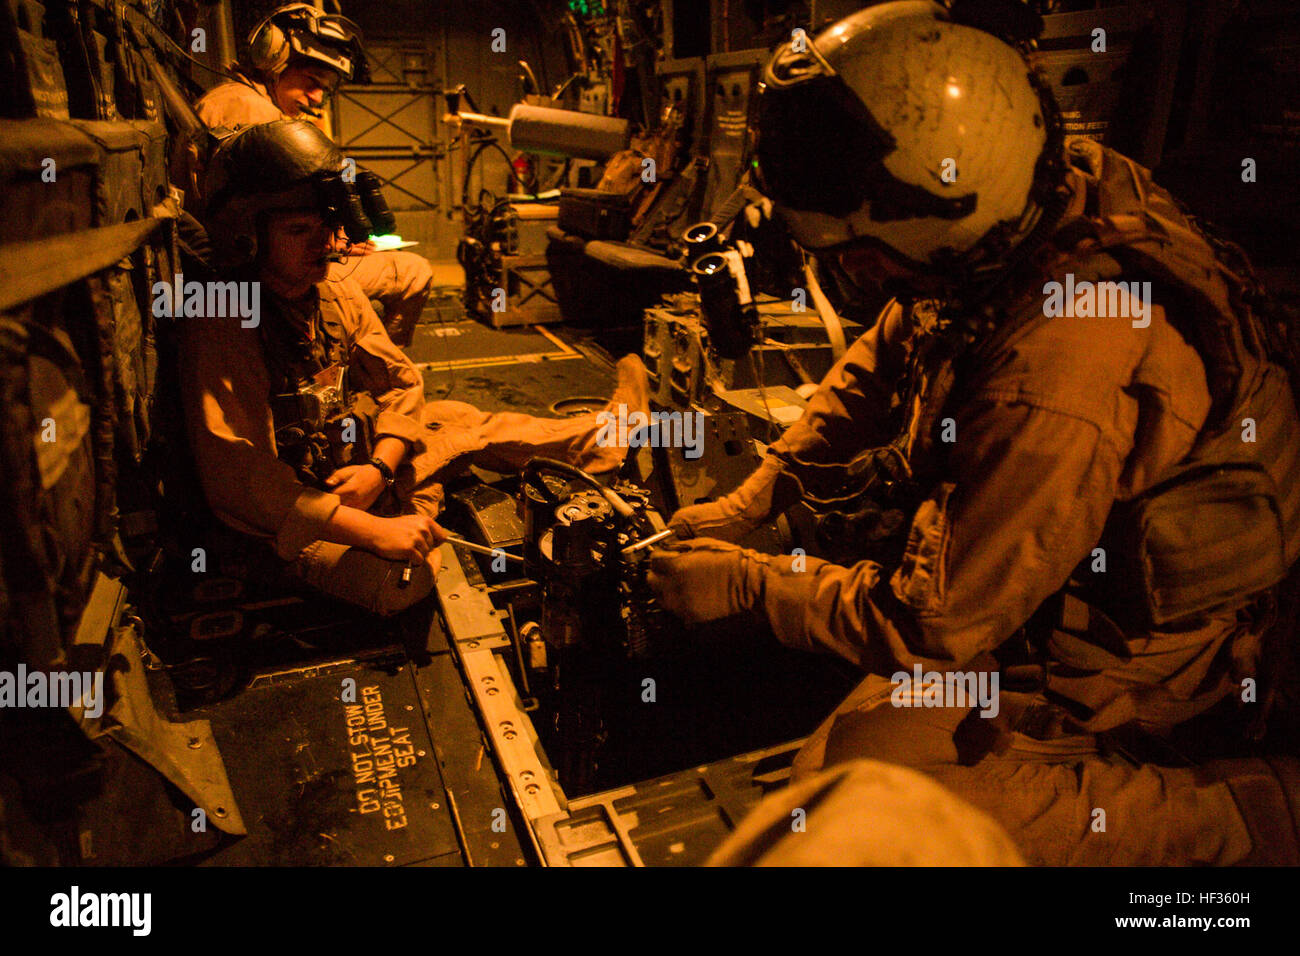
[{"x": 385, "y": 472}]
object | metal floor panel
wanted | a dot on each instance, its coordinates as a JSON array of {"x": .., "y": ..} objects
[
  {"x": 528, "y": 387},
  {"x": 483, "y": 814},
  {"x": 676, "y": 820},
  {"x": 468, "y": 340},
  {"x": 321, "y": 781}
]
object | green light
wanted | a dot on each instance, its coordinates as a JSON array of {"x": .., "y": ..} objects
[{"x": 391, "y": 241}]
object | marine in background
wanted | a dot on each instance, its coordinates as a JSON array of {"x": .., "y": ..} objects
[{"x": 297, "y": 58}]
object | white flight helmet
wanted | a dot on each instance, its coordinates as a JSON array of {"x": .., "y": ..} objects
[{"x": 898, "y": 128}]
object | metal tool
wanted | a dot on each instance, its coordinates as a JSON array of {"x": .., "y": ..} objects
[
  {"x": 490, "y": 552},
  {"x": 647, "y": 542}
]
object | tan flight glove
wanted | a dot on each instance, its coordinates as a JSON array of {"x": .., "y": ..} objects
[
  {"x": 768, "y": 491},
  {"x": 704, "y": 579}
]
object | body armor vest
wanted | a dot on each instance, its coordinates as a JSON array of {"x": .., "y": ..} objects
[
  {"x": 320, "y": 424},
  {"x": 1224, "y": 527}
]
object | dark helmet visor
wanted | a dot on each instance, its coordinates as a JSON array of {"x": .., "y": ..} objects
[
  {"x": 819, "y": 149},
  {"x": 815, "y": 141}
]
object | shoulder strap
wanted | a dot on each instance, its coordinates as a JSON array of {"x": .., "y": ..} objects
[{"x": 1131, "y": 226}]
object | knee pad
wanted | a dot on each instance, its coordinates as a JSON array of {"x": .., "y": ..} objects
[{"x": 412, "y": 274}]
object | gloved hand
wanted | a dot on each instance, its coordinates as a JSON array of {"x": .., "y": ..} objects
[
  {"x": 721, "y": 519},
  {"x": 732, "y": 517},
  {"x": 705, "y": 579},
  {"x": 758, "y": 212}
]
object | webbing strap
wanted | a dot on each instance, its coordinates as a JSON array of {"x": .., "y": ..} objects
[
  {"x": 826, "y": 312},
  {"x": 34, "y": 268}
]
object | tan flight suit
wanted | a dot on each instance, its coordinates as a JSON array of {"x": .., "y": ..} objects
[
  {"x": 401, "y": 280},
  {"x": 1077, "y": 415},
  {"x": 226, "y": 388}
]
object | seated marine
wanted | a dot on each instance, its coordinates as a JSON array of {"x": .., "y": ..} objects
[{"x": 309, "y": 426}]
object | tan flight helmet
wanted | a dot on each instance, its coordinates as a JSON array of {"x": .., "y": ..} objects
[
  {"x": 897, "y": 128},
  {"x": 300, "y": 30}
]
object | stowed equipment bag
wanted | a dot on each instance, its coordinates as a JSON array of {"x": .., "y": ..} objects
[{"x": 48, "y": 494}]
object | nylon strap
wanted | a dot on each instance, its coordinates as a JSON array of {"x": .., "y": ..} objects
[{"x": 34, "y": 268}]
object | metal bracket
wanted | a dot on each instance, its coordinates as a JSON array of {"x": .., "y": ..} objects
[
  {"x": 184, "y": 752},
  {"x": 472, "y": 619},
  {"x": 474, "y": 626},
  {"x": 513, "y": 737}
]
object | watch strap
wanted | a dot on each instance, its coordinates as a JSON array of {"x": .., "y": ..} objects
[{"x": 384, "y": 470}]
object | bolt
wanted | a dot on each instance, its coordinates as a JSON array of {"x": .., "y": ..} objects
[{"x": 388, "y": 858}]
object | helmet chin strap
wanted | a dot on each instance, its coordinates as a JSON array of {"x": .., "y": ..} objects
[{"x": 272, "y": 87}]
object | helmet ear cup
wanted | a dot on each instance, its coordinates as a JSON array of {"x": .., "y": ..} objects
[
  {"x": 268, "y": 48},
  {"x": 244, "y": 248},
  {"x": 233, "y": 234}
]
